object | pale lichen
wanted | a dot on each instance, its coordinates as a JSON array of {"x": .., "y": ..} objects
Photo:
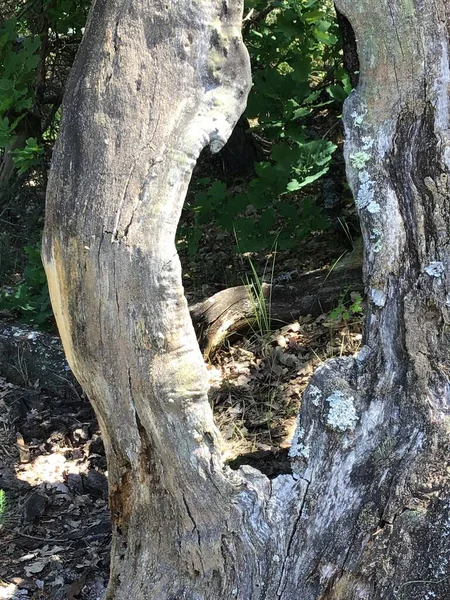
[
  {"x": 298, "y": 448},
  {"x": 367, "y": 142},
  {"x": 358, "y": 118},
  {"x": 373, "y": 207},
  {"x": 342, "y": 414},
  {"x": 366, "y": 192},
  {"x": 359, "y": 159},
  {"x": 378, "y": 297},
  {"x": 435, "y": 269},
  {"x": 314, "y": 394}
]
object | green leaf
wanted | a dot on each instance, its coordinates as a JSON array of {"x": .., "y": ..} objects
[
  {"x": 266, "y": 221},
  {"x": 287, "y": 210},
  {"x": 295, "y": 185},
  {"x": 313, "y": 16},
  {"x": 301, "y": 112},
  {"x": 337, "y": 92},
  {"x": 302, "y": 68},
  {"x": 218, "y": 191},
  {"x": 325, "y": 37},
  {"x": 6, "y": 85}
]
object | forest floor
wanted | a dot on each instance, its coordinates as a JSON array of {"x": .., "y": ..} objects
[{"x": 54, "y": 522}]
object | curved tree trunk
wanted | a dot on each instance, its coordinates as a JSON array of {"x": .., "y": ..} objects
[
  {"x": 365, "y": 515},
  {"x": 372, "y": 439}
]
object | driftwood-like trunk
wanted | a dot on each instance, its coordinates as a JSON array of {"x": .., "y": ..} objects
[{"x": 366, "y": 514}]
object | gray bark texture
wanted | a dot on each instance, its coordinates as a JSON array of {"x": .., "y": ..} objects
[{"x": 365, "y": 514}]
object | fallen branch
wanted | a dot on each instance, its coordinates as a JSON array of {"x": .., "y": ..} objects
[
  {"x": 36, "y": 359},
  {"x": 233, "y": 310}
]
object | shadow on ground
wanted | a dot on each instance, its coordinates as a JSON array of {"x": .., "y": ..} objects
[{"x": 55, "y": 528}]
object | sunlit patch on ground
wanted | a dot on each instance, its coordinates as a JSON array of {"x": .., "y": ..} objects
[
  {"x": 49, "y": 468},
  {"x": 7, "y": 590}
]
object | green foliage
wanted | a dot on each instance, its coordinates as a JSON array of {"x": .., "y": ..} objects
[
  {"x": 38, "y": 42},
  {"x": 27, "y": 157},
  {"x": 18, "y": 63},
  {"x": 298, "y": 78},
  {"x": 294, "y": 53},
  {"x": 36, "y": 50},
  {"x": 347, "y": 310},
  {"x": 295, "y": 56},
  {"x": 29, "y": 300}
]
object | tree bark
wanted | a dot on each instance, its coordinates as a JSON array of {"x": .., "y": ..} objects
[
  {"x": 372, "y": 439},
  {"x": 365, "y": 513}
]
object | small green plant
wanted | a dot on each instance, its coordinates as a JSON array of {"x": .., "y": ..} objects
[
  {"x": 27, "y": 157},
  {"x": 261, "y": 296},
  {"x": 261, "y": 302},
  {"x": 29, "y": 299},
  {"x": 346, "y": 310}
]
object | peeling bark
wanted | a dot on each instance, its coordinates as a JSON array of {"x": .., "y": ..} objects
[{"x": 365, "y": 515}]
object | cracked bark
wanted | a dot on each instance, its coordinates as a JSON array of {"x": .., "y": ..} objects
[{"x": 365, "y": 515}]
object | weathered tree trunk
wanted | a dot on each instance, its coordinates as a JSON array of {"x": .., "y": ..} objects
[
  {"x": 365, "y": 516},
  {"x": 372, "y": 439}
]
